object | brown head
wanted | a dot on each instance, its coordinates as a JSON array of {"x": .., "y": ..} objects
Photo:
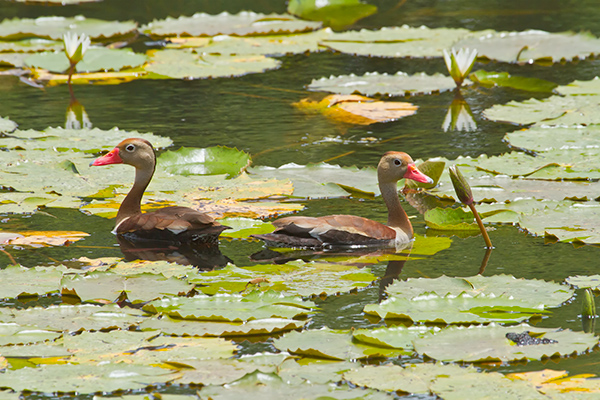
[
  {"x": 396, "y": 165},
  {"x": 133, "y": 151}
]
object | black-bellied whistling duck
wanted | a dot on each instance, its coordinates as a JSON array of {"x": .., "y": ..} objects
[
  {"x": 176, "y": 224},
  {"x": 349, "y": 230}
]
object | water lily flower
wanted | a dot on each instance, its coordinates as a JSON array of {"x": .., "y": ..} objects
[
  {"x": 460, "y": 63},
  {"x": 75, "y": 46},
  {"x": 459, "y": 117}
]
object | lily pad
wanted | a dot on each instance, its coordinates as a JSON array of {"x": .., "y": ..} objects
[
  {"x": 547, "y": 138},
  {"x": 401, "y": 41},
  {"x": 335, "y": 13},
  {"x": 84, "y": 378},
  {"x": 582, "y": 282},
  {"x": 45, "y": 238},
  {"x": 373, "y": 83},
  {"x": 30, "y": 45},
  {"x": 7, "y": 126},
  {"x": 95, "y": 59},
  {"x": 532, "y": 46},
  {"x": 21, "y": 281},
  {"x": 209, "y": 161},
  {"x": 397, "y": 337},
  {"x": 244, "y": 227},
  {"x": 12, "y": 333},
  {"x": 504, "y": 79},
  {"x": 453, "y": 219},
  {"x": 576, "y": 88},
  {"x": 329, "y": 344},
  {"x": 185, "y": 64},
  {"x": 211, "y": 372},
  {"x": 489, "y": 343},
  {"x": 234, "y": 308},
  {"x": 55, "y": 27},
  {"x": 241, "y": 24}
]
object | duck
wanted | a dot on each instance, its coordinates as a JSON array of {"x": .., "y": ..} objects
[
  {"x": 332, "y": 231},
  {"x": 173, "y": 224}
]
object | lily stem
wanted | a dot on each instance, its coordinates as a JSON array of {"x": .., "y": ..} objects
[{"x": 486, "y": 237}]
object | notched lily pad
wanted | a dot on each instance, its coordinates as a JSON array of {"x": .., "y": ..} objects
[
  {"x": 241, "y": 24},
  {"x": 504, "y": 79},
  {"x": 7, "y": 126},
  {"x": 373, "y": 83},
  {"x": 96, "y": 59},
  {"x": 209, "y": 161}
]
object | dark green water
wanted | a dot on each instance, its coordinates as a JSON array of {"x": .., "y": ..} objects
[{"x": 254, "y": 113}]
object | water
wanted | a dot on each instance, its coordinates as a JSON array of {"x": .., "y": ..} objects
[{"x": 254, "y": 113}]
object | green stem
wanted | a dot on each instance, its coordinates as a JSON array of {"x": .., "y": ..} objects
[{"x": 488, "y": 242}]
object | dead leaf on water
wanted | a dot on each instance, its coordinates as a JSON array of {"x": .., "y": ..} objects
[
  {"x": 45, "y": 238},
  {"x": 359, "y": 110},
  {"x": 232, "y": 208}
]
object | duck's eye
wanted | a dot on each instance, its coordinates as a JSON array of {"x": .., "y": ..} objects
[
  {"x": 397, "y": 162},
  {"x": 130, "y": 147}
]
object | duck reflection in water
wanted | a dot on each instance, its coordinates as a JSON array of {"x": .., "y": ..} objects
[{"x": 203, "y": 256}]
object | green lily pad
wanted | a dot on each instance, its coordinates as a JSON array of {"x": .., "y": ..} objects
[
  {"x": 188, "y": 327},
  {"x": 107, "y": 286},
  {"x": 547, "y": 294},
  {"x": 92, "y": 140},
  {"x": 242, "y": 24},
  {"x": 547, "y": 138},
  {"x": 582, "y": 282},
  {"x": 244, "y": 227},
  {"x": 84, "y": 378},
  {"x": 12, "y": 333},
  {"x": 185, "y": 64},
  {"x": 397, "y": 337},
  {"x": 209, "y": 161},
  {"x": 55, "y": 27},
  {"x": 310, "y": 371},
  {"x": 296, "y": 277},
  {"x": 489, "y": 343},
  {"x": 21, "y": 281},
  {"x": 30, "y": 45},
  {"x": 532, "y": 46},
  {"x": 16, "y": 60},
  {"x": 373, "y": 83},
  {"x": 234, "y": 308},
  {"x": 212, "y": 372},
  {"x": 451, "y": 309},
  {"x": 576, "y": 88},
  {"x": 504, "y": 79},
  {"x": 164, "y": 268},
  {"x": 95, "y": 59},
  {"x": 67, "y": 318},
  {"x": 414, "y": 378},
  {"x": 330, "y": 344},
  {"x": 335, "y": 13},
  {"x": 401, "y": 41},
  {"x": 7, "y": 126},
  {"x": 454, "y": 219}
]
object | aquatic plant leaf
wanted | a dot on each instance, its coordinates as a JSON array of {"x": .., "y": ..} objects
[
  {"x": 244, "y": 227},
  {"x": 412, "y": 378},
  {"x": 578, "y": 223},
  {"x": 582, "y": 282},
  {"x": 555, "y": 110},
  {"x": 576, "y": 88},
  {"x": 258, "y": 385},
  {"x": 240, "y": 209},
  {"x": 84, "y": 379},
  {"x": 558, "y": 384},
  {"x": 143, "y": 348},
  {"x": 211, "y": 372},
  {"x": 98, "y": 78},
  {"x": 334, "y": 13},
  {"x": 164, "y": 268},
  {"x": 21, "y": 281},
  {"x": 493, "y": 385},
  {"x": 241, "y": 24},
  {"x": 46, "y": 238},
  {"x": 189, "y": 327},
  {"x": 397, "y": 337},
  {"x": 358, "y": 110},
  {"x": 270, "y": 45},
  {"x": 12, "y": 333},
  {"x": 504, "y": 79},
  {"x": 373, "y": 83},
  {"x": 74, "y": 318},
  {"x": 54, "y": 28},
  {"x": 547, "y": 138},
  {"x": 30, "y": 45},
  {"x": 242, "y": 187},
  {"x": 461, "y": 309},
  {"x": 96, "y": 59},
  {"x": 295, "y": 277},
  {"x": 16, "y": 60},
  {"x": 537, "y": 291},
  {"x": 310, "y": 371},
  {"x": 7, "y": 126},
  {"x": 452, "y": 219},
  {"x": 401, "y": 41},
  {"x": 208, "y": 161},
  {"x": 107, "y": 286},
  {"x": 234, "y": 308},
  {"x": 329, "y": 344},
  {"x": 532, "y": 46},
  {"x": 321, "y": 180},
  {"x": 489, "y": 343},
  {"x": 89, "y": 140},
  {"x": 185, "y": 64}
]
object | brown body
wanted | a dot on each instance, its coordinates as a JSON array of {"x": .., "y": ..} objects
[
  {"x": 350, "y": 230},
  {"x": 177, "y": 224}
]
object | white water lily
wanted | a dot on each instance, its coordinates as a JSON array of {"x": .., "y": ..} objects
[
  {"x": 460, "y": 63},
  {"x": 75, "y": 46}
]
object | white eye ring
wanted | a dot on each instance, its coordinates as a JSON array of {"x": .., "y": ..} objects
[
  {"x": 397, "y": 162},
  {"x": 130, "y": 147}
]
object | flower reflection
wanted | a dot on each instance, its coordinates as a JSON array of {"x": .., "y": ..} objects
[
  {"x": 459, "y": 116},
  {"x": 77, "y": 118}
]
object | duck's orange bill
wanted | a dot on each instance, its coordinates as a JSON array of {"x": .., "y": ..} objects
[
  {"x": 412, "y": 172},
  {"x": 111, "y": 158}
]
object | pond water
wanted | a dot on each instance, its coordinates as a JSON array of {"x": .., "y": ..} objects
[{"x": 254, "y": 114}]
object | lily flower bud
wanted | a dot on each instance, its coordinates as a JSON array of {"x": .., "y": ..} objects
[
  {"x": 461, "y": 186},
  {"x": 75, "y": 46},
  {"x": 460, "y": 63}
]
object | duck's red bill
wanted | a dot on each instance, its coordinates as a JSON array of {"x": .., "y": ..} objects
[
  {"x": 416, "y": 175},
  {"x": 111, "y": 158}
]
